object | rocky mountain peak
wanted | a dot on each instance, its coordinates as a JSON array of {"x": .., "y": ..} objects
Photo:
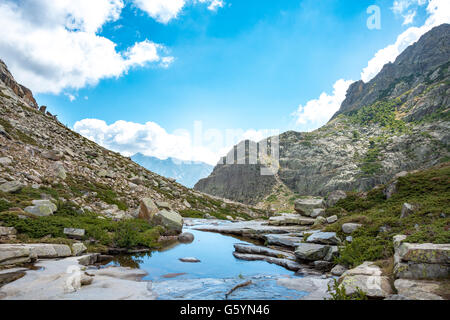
[
  {"x": 17, "y": 88},
  {"x": 414, "y": 65}
]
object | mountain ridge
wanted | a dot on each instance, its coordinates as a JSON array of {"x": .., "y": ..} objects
[{"x": 380, "y": 130}]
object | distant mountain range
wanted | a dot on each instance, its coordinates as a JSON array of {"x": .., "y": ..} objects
[{"x": 187, "y": 173}]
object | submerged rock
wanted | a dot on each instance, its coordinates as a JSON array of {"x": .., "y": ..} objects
[
  {"x": 190, "y": 260},
  {"x": 186, "y": 237}
]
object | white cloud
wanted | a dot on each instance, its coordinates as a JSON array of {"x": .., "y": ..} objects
[
  {"x": 71, "y": 97},
  {"x": 53, "y": 45},
  {"x": 318, "y": 111},
  {"x": 438, "y": 12},
  {"x": 164, "y": 11},
  {"x": 151, "y": 139}
]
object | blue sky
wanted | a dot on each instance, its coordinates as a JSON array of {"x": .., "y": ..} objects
[{"x": 243, "y": 64}]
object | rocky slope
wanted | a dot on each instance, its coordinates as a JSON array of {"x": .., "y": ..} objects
[
  {"x": 40, "y": 157},
  {"x": 397, "y": 122},
  {"x": 187, "y": 173}
]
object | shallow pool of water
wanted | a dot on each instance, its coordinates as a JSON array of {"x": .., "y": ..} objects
[
  {"x": 217, "y": 273},
  {"x": 215, "y": 251}
]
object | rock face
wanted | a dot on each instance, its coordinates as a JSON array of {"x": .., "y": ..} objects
[
  {"x": 421, "y": 261},
  {"x": 21, "y": 91},
  {"x": 337, "y": 156},
  {"x": 368, "y": 278}
]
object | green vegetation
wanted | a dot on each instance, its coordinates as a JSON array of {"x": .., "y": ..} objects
[
  {"x": 123, "y": 234},
  {"x": 382, "y": 113},
  {"x": 338, "y": 292},
  {"x": 371, "y": 163},
  {"x": 428, "y": 190}
]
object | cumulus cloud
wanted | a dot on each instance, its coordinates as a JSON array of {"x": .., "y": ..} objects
[
  {"x": 438, "y": 13},
  {"x": 151, "y": 139},
  {"x": 318, "y": 111},
  {"x": 53, "y": 45},
  {"x": 164, "y": 11}
]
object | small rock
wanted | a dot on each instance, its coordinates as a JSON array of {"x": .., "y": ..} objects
[
  {"x": 78, "y": 249},
  {"x": 349, "y": 239},
  {"x": 186, "y": 237},
  {"x": 147, "y": 209},
  {"x": 5, "y": 161},
  {"x": 323, "y": 266},
  {"x": 318, "y": 213},
  {"x": 75, "y": 233},
  {"x": 324, "y": 238},
  {"x": 407, "y": 210},
  {"x": 163, "y": 205},
  {"x": 86, "y": 280},
  {"x": 332, "y": 219},
  {"x": 349, "y": 228},
  {"x": 338, "y": 270},
  {"x": 53, "y": 155}
]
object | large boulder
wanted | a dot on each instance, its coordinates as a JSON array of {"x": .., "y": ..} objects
[
  {"x": 324, "y": 238},
  {"x": 368, "y": 278},
  {"x": 334, "y": 197},
  {"x": 171, "y": 220},
  {"x": 306, "y": 206},
  {"x": 41, "y": 208},
  {"x": 425, "y": 253},
  {"x": 311, "y": 251},
  {"x": 421, "y": 261},
  {"x": 11, "y": 187},
  {"x": 147, "y": 209}
]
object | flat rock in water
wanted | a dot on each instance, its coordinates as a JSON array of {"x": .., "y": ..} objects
[
  {"x": 284, "y": 240},
  {"x": 190, "y": 260},
  {"x": 285, "y": 263},
  {"x": 250, "y": 249}
]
